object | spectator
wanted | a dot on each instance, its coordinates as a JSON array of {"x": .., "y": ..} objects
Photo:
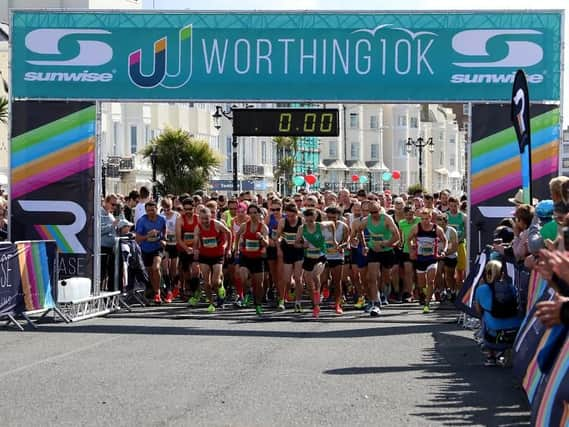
[
  {"x": 496, "y": 302},
  {"x": 108, "y": 234},
  {"x": 3, "y": 223},
  {"x": 140, "y": 209},
  {"x": 130, "y": 205}
]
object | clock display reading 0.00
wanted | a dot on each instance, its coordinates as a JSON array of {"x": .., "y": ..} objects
[{"x": 285, "y": 122}]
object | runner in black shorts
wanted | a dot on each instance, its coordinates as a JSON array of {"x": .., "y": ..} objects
[{"x": 292, "y": 255}]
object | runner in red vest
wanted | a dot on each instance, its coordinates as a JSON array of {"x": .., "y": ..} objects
[
  {"x": 185, "y": 229},
  {"x": 212, "y": 243},
  {"x": 250, "y": 241}
]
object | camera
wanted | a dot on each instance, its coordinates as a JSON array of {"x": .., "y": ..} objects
[{"x": 565, "y": 231}]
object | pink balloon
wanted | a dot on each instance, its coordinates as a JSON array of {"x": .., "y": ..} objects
[
  {"x": 355, "y": 178},
  {"x": 396, "y": 174}
]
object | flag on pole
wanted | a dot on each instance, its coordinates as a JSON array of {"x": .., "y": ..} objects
[{"x": 520, "y": 116}]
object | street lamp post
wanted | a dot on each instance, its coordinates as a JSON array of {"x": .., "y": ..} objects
[
  {"x": 219, "y": 113},
  {"x": 420, "y": 143},
  {"x": 153, "y": 159},
  {"x": 104, "y": 178}
]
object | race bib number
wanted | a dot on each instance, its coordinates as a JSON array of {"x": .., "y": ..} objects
[
  {"x": 313, "y": 253},
  {"x": 171, "y": 239},
  {"x": 290, "y": 238},
  {"x": 153, "y": 239},
  {"x": 188, "y": 237},
  {"x": 252, "y": 245},
  {"x": 209, "y": 242},
  {"x": 426, "y": 250},
  {"x": 331, "y": 249},
  {"x": 274, "y": 234}
]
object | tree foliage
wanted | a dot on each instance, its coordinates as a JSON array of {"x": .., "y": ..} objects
[
  {"x": 287, "y": 147},
  {"x": 415, "y": 188},
  {"x": 184, "y": 163}
]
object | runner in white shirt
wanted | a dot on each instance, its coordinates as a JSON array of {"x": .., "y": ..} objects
[{"x": 170, "y": 260}]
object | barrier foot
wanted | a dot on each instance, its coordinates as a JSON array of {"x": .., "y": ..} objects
[
  {"x": 12, "y": 320},
  {"x": 27, "y": 319},
  {"x": 124, "y": 304}
]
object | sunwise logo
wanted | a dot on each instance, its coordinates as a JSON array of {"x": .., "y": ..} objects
[
  {"x": 473, "y": 46},
  {"x": 46, "y": 44},
  {"x": 160, "y": 74}
]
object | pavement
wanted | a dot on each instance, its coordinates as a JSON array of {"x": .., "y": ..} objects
[{"x": 175, "y": 366}]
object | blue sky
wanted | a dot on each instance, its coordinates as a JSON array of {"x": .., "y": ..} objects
[{"x": 375, "y": 5}]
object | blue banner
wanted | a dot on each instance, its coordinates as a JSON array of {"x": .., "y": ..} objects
[{"x": 292, "y": 56}]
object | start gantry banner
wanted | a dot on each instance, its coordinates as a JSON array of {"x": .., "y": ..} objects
[{"x": 293, "y": 56}]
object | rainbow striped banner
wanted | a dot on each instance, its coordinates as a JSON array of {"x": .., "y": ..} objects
[
  {"x": 52, "y": 152},
  {"x": 552, "y": 407},
  {"x": 537, "y": 285},
  {"x": 496, "y": 165},
  {"x": 35, "y": 275}
]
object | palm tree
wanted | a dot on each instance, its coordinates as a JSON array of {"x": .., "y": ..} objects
[
  {"x": 184, "y": 162},
  {"x": 287, "y": 147},
  {"x": 3, "y": 110}
]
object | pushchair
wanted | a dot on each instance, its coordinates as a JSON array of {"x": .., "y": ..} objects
[{"x": 133, "y": 278}]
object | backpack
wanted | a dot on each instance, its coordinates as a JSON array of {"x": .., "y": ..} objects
[{"x": 504, "y": 299}]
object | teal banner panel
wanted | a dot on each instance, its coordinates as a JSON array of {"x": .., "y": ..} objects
[{"x": 293, "y": 56}]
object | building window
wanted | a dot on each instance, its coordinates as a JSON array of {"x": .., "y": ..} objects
[
  {"x": 333, "y": 149},
  {"x": 264, "y": 152},
  {"x": 133, "y": 140},
  {"x": 402, "y": 148},
  {"x": 402, "y": 121},
  {"x": 452, "y": 141},
  {"x": 452, "y": 161},
  {"x": 565, "y": 148},
  {"x": 374, "y": 151},
  {"x": 354, "y": 150},
  {"x": 229, "y": 151},
  {"x": 441, "y": 136},
  {"x": 354, "y": 122},
  {"x": 116, "y": 134},
  {"x": 413, "y": 122},
  {"x": 441, "y": 158},
  {"x": 373, "y": 122},
  {"x": 147, "y": 137},
  {"x": 565, "y": 164}
]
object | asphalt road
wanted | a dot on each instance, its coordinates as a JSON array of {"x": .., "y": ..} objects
[{"x": 169, "y": 366}]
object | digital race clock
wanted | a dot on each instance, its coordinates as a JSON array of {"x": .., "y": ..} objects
[{"x": 285, "y": 122}]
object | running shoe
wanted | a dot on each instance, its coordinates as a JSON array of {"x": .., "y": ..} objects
[
  {"x": 407, "y": 297},
  {"x": 221, "y": 291},
  {"x": 426, "y": 309},
  {"x": 375, "y": 311},
  {"x": 383, "y": 299},
  {"x": 297, "y": 307},
  {"x": 281, "y": 306},
  {"x": 175, "y": 293},
  {"x": 157, "y": 298},
  {"x": 325, "y": 293},
  {"x": 259, "y": 310},
  {"x": 238, "y": 303},
  {"x": 193, "y": 301},
  {"x": 291, "y": 296},
  {"x": 211, "y": 309},
  {"x": 360, "y": 304},
  {"x": 169, "y": 297},
  {"x": 367, "y": 307},
  {"x": 490, "y": 361},
  {"x": 246, "y": 300},
  {"x": 316, "y": 311},
  {"x": 338, "y": 309}
]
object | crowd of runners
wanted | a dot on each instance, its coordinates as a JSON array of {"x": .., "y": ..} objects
[{"x": 363, "y": 249}]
